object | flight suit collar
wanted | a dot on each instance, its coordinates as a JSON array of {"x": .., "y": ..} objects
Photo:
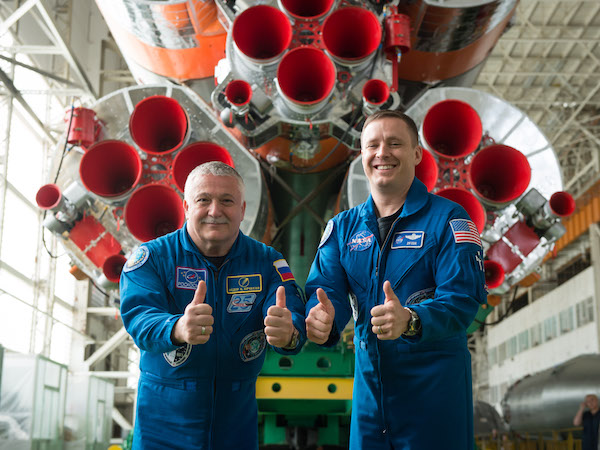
[
  {"x": 189, "y": 245},
  {"x": 416, "y": 199}
]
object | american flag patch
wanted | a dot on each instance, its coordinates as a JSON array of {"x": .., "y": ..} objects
[
  {"x": 283, "y": 270},
  {"x": 465, "y": 231}
]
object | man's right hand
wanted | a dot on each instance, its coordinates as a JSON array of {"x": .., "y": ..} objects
[
  {"x": 320, "y": 319},
  {"x": 195, "y": 326}
]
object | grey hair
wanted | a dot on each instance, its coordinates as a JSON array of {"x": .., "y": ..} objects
[{"x": 216, "y": 168}]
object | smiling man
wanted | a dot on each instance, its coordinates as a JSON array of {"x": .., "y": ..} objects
[
  {"x": 411, "y": 265},
  {"x": 202, "y": 303}
]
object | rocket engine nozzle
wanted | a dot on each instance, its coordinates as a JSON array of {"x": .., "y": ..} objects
[
  {"x": 261, "y": 34},
  {"x": 195, "y": 154},
  {"x": 427, "y": 170},
  {"x": 113, "y": 266},
  {"x": 494, "y": 274},
  {"x": 499, "y": 174},
  {"x": 561, "y": 204},
  {"x": 469, "y": 202},
  {"x": 239, "y": 93},
  {"x": 158, "y": 125},
  {"x": 50, "y": 197},
  {"x": 351, "y": 35},
  {"x": 110, "y": 168},
  {"x": 306, "y": 10},
  {"x": 374, "y": 94},
  {"x": 452, "y": 129},
  {"x": 152, "y": 211},
  {"x": 306, "y": 77}
]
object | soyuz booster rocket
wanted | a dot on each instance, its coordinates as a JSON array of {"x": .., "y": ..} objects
[{"x": 281, "y": 89}]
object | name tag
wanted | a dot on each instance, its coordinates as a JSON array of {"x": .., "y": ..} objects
[
  {"x": 244, "y": 283},
  {"x": 408, "y": 239}
]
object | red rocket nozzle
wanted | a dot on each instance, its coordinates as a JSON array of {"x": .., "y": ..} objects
[
  {"x": 152, "y": 211},
  {"x": 307, "y": 9},
  {"x": 499, "y": 173},
  {"x": 158, "y": 125},
  {"x": 110, "y": 168},
  {"x": 195, "y": 154},
  {"x": 262, "y": 33},
  {"x": 113, "y": 266},
  {"x": 494, "y": 274},
  {"x": 452, "y": 129},
  {"x": 48, "y": 196},
  {"x": 469, "y": 202},
  {"x": 427, "y": 170},
  {"x": 238, "y": 92},
  {"x": 306, "y": 76},
  {"x": 375, "y": 92},
  {"x": 562, "y": 204},
  {"x": 351, "y": 34}
]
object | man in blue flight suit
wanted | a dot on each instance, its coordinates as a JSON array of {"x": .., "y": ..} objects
[
  {"x": 408, "y": 266},
  {"x": 201, "y": 303}
]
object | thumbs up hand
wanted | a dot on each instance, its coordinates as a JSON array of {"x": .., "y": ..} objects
[
  {"x": 320, "y": 319},
  {"x": 389, "y": 320},
  {"x": 278, "y": 321},
  {"x": 195, "y": 326}
]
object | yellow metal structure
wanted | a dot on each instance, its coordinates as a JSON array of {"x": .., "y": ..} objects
[{"x": 300, "y": 388}]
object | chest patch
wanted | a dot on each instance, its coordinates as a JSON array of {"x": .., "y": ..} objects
[
  {"x": 244, "y": 283},
  {"x": 361, "y": 241},
  {"x": 241, "y": 303},
  {"x": 178, "y": 356},
  {"x": 408, "y": 239},
  {"x": 187, "y": 278},
  {"x": 252, "y": 345}
]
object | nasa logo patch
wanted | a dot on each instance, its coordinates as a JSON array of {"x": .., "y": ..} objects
[
  {"x": 178, "y": 356},
  {"x": 408, "y": 239},
  {"x": 361, "y": 241},
  {"x": 137, "y": 259},
  {"x": 326, "y": 233},
  {"x": 187, "y": 278},
  {"x": 252, "y": 345},
  {"x": 241, "y": 303}
]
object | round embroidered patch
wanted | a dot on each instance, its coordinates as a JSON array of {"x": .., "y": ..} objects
[
  {"x": 137, "y": 259},
  {"x": 361, "y": 241},
  {"x": 252, "y": 345},
  {"x": 178, "y": 356},
  {"x": 326, "y": 233}
]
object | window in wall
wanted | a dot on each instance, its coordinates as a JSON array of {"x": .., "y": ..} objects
[
  {"x": 523, "y": 340},
  {"x": 566, "y": 320},
  {"x": 493, "y": 356},
  {"x": 550, "y": 329},
  {"x": 535, "y": 333},
  {"x": 511, "y": 347},
  {"x": 501, "y": 352},
  {"x": 585, "y": 311}
]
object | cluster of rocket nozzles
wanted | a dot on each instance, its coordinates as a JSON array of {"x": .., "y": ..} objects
[
  {"x": 323, "y": 45},
  {"x": 145, "y": 182},
  {"x": 482, "y": 176}
]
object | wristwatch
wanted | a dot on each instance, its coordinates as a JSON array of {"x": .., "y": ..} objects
[
  {"x": 414, "y": 324},
  {"x": 293, "y": 342}
]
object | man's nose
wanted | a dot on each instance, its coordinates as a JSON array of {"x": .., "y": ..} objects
[
  {"x": 381, "y": 150},
  {"x": 214, "y": 209}
]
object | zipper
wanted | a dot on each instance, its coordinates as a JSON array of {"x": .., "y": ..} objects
[{"x": 384, "y": 246}]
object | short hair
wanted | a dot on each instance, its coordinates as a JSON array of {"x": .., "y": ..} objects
[
  {"x": 393, "y": 114},
  {"x": 216, "y": 168}
]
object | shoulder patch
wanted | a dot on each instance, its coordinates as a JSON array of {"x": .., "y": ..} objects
[
  {"x": 465, "y": 231},
  {"x": 326, "y": 233},
  {"x": 283, "y": 269},
  {"x": 137, "y": 260}
]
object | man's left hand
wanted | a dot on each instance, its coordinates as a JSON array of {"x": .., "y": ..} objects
[
  {"x": 389, "y": 320},
  {"x": 278, "y": 322}
]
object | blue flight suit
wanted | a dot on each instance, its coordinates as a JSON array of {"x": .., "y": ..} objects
[
  {"x": 202, "y": 396},
  {"x": 412, "y": 392}
]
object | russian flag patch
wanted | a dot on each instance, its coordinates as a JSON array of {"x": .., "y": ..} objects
[{"x": 283, "y": 269}]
